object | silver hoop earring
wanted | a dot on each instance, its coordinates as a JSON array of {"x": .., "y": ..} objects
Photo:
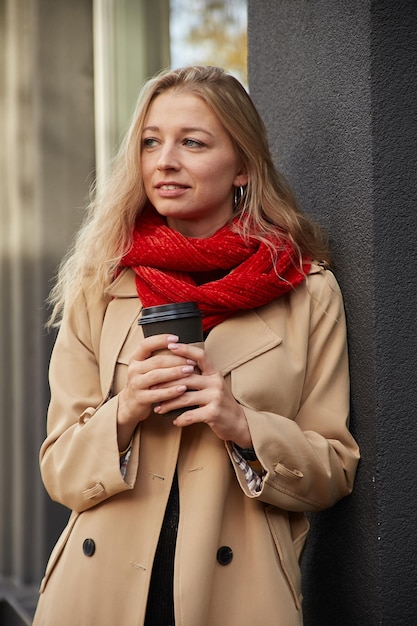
[{"x": 238, "y": 196}]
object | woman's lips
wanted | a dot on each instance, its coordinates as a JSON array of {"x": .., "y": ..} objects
[
  {"x": 171, "y": 190},
  {"x": 170, "y": 183}
]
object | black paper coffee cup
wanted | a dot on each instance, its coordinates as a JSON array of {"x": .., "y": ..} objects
[{"x": 179, "y": 318}]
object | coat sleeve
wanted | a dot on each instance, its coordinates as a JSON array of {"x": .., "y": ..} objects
[
  {"x": 310, "y": 461},
  {"x": 79, "y": 459}
]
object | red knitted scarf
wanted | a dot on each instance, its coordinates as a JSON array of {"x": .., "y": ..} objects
[{"x": 166, "y": 263}]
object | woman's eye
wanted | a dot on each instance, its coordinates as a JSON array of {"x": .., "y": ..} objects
[
  {"x": 193, "y": 143},
  {"x": 149, "y": 142}
]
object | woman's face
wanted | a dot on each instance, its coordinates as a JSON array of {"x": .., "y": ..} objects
[{"x": 189, "y": 165}]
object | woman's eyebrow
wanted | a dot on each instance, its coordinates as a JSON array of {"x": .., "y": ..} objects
[{"x": 184, "y": 129}]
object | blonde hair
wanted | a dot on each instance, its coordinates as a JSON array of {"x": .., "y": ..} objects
[{"x": 267, "y": 204}]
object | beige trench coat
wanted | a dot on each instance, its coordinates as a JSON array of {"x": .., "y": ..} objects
[{"x": 287, "y": 366}]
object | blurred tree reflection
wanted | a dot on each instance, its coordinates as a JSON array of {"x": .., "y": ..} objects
[{"x": 212, "y": 32}]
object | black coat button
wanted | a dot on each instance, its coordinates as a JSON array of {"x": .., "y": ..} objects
[
  {"x": 89, "y": 547},
  {"x": 224, "y": 555}
]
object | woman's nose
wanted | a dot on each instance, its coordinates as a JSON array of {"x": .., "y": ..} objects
[{"x": 168, "y": 158}]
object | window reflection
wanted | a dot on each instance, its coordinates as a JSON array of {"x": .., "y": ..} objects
[{"x": 210, "y": 32}]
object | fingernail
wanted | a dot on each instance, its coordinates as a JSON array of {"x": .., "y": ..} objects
[
  {"x": 156, "y": 409},
  {"x": 181, "y": 388},
  {"x": 187, "y": 369},
  {"x": 172, "y": 346},
  {"x": 171, "y": 338},
  {"x": 191, "y": 362}
]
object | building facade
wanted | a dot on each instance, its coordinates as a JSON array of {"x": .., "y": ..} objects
[{"x": 335, "y": 83}]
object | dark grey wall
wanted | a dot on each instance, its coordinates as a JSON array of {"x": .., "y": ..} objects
[{"x": 336, "y": 83}]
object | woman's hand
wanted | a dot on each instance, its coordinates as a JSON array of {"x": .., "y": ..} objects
[
  {"x": 154, "y": 375},
  {"x": 216, "y": 405}
]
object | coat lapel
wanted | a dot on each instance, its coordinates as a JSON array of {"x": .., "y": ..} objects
[
  {"x": 122, "y": 312},
  {"x": 240, "y": 339},
  {"x": 245, "y": 336},
  {"x": 235, "y": 341}
]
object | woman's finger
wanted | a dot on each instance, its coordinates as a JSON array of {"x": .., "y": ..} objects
[
  {"x": 150, "y": 345},
  {"x": 195, "y": 353}
]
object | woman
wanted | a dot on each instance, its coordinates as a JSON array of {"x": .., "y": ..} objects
[{"x": 198, "y": 519}]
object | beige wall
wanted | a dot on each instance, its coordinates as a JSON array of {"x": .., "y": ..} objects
[
  {"x": 51, "y": 67},
  {"x": 47, "y": 157}
]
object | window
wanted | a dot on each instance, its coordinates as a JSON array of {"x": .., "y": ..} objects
[
  {"x": 134, "y": 39},
  {"x": 209, "y": 32}
]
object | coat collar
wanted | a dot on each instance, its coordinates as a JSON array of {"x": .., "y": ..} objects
[
  {"x": 232, "y": 343},
  {"x": 123, "y": 286},
  {"x": 245, "y": 336}
]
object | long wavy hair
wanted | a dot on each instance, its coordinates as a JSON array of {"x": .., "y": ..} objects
[{"x": 267, "y": 203}]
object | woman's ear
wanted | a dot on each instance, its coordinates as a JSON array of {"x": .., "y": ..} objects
[{"x": 241, "y": 180}]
